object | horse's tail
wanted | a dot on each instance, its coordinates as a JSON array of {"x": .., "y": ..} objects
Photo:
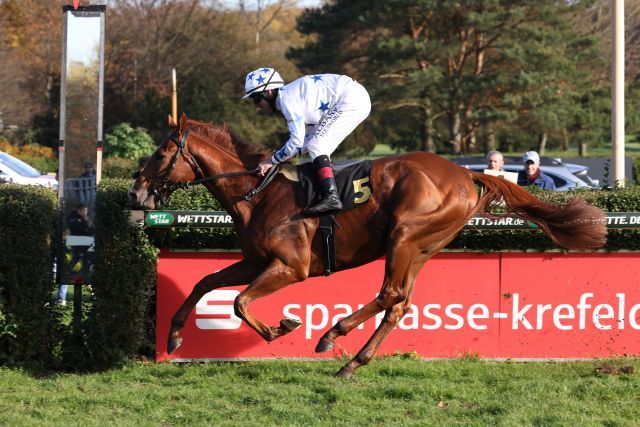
[{"x": 574, "y": 225}]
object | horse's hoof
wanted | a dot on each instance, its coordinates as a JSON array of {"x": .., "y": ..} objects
[
  {"x": 289, "y": 325},
  {"x": 324, "y": 345},
  {"x": 173, "y": 344},
  {"x": 345, "y": 373}
]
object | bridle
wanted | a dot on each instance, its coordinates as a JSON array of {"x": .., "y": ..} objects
[{"x": 163, "y": 190}]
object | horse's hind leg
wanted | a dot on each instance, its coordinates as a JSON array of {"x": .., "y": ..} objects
[
  {"x": 391, "y": 318},
  {"x": 240, "y": 273},
  {"x": 400, "y": 271}
]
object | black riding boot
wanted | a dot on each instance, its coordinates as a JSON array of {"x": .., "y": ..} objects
[{"x": 330, "y": 201}]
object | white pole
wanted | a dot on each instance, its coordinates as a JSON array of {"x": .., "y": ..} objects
[
  {"x": 174, "y": 96},
  {"x": 99, "y": 139},
  {"x": 617, "y": 91}
]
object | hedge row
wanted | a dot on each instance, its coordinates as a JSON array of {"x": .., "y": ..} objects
[
  {"x": 124, "y": 279},
  {"x": 117, "y": 321},
  {"x": 622, "y": 200},
  {"x": 27, "y": 319}
]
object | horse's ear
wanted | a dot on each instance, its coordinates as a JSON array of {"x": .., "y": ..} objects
[
  {"x": 172, "y": 123},
  {"x": 183, "y": 122}
]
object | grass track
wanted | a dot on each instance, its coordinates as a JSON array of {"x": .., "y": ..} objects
[{"x": 390, "y": 391}]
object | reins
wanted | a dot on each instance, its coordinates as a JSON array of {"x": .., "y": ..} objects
[
  {"x": 250, "y": 195},
  {"x": 189, "y": 184}
]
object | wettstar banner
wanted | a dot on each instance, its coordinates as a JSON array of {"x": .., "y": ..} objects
[
  {"x": 513, "y": 305},
  {"x": 221, "y": 219}
]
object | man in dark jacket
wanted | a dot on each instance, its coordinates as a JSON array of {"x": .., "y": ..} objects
[
  {"x": 532, "y": 175},
  {"x": 79, "y": 224}
]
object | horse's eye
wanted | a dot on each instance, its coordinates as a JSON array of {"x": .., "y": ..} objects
[{"x": 158, "y": 157}]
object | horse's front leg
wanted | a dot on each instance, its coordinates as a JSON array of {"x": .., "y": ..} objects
[
  {"x": 241, "y": 273},
  {"x": 276, "y": 276}
]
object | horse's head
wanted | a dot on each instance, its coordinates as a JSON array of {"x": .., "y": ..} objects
[{"x": 169, "y": 165}]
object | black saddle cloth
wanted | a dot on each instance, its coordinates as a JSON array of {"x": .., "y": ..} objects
[{"x": 349, "y": 177}]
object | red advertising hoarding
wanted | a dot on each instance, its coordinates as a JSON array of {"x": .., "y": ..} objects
[{"x": 499, "y": 305}]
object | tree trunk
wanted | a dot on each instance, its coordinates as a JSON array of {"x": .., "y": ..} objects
[
  {"x": 566, "y": 143},
  {"x": 427, "y": 130},
  {"x": 471, "y": 138},
  {"x": 542, "y": 143},
  {"x": 583, "y": 149},
  {"x": 490, "y": 138},
  {"x": 472, "y": 141},
  {"x": 455, "y": 138}
]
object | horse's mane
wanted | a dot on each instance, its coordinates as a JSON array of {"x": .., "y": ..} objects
[{"x": 224, "y": 137}]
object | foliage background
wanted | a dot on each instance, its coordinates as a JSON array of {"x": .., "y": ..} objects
[{"x": 448, "y": 77}]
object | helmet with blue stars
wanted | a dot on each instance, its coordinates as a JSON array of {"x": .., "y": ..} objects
[{"x": 261, "y": 80}]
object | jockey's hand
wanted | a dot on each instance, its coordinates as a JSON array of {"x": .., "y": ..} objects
[{"x": 264, "y": 166}]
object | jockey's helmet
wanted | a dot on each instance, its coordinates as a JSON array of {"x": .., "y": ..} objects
[{"x": 261, "y": 80}]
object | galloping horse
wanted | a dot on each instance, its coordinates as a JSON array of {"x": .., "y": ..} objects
[{"x": 420, "y": 202}]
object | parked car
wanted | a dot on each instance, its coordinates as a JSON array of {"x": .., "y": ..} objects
[
  {"x": 13, "y": 170},
  {"x": 567, "y": 176}
]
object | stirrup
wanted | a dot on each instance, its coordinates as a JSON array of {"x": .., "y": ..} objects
[{"x": 326, "y": 205}]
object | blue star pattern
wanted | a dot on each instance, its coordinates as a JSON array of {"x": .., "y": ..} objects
[
  {"x": 324, "y": 106},
  {"x": 316, "y": 78},
  {"x": 297, "y": 118},
  {"x": 260, "y": 80},
  {"x": 250, "y": 76}
]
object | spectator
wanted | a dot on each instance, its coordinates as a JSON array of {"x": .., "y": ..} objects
[
  {"x": 495, "y": 161},
  {"x": 79, "y": 224},
  {"x": 142, "y": 161},
  {"x": 89, "y": 171},
  {"x": 532, "y": 175}
]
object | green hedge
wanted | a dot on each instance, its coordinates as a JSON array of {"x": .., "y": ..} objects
[
  {"x": 623, "y": 200},
  {"x": 118, "y": 318},
  {"x": 124, "y": 279},
  {"x": 28, "y": 331}
]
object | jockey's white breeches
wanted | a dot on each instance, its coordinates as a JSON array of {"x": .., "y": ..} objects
[{"x": 353, "y": 107}]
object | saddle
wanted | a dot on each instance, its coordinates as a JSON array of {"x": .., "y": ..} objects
[
  {"x": 354, "y": 188},
  {"x": 352, "y": 179}
]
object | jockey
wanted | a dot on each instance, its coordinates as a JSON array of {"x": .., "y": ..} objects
[{"x": 321, "y": 111}]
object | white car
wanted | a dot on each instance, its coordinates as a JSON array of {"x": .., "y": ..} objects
[
  {"x": 566, "y": 176},
  {"x": 16, "y": 171}
]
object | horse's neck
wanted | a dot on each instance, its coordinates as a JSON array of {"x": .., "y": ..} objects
[{"x": 228, "y": 191}]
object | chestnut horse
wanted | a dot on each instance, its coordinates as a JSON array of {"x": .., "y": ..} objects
[{"x": 420, "y": 202}]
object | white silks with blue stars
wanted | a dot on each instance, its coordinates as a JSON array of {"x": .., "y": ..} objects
[{"x": 321, "y": 111}]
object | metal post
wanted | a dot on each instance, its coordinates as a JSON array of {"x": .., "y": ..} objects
[
  {"x": 617, "y": 91},
  {"x": 60, "y": 246}
]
